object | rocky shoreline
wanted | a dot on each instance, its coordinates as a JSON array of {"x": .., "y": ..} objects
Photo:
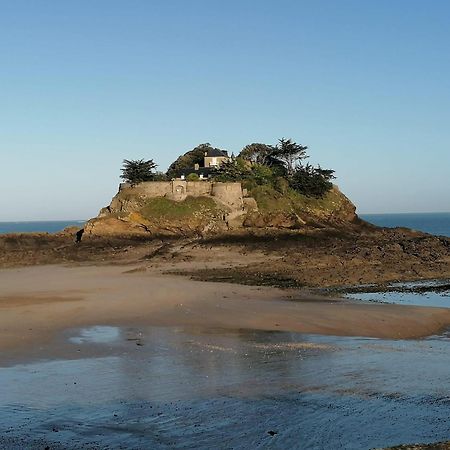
[{"x": 312, "y": 258}]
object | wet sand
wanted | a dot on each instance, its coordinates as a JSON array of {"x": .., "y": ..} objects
[
  {"x": 38, "y": 302},
  {"x": 126, "y": 356},
  {"x": 163, "y": 387}
]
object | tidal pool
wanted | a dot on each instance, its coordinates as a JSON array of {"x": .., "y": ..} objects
[
  {"x": 418, "y": 294},
  {"x": 173, "y": 388}
]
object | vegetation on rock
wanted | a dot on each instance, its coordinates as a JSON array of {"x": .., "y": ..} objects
[
  {"x": 162, "y": 207},
  {"x": 280, "y": 166},
  {"x": 288, "y": 155},
  {"x": 137, "y": 171},
  {"x": 311, "y": 181},
  {"x": 285, "y": 192}
]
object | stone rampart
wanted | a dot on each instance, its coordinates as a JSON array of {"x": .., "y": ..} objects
[
  {"x": 154, "y": 188},
  {"x": 229, "y": 194}
]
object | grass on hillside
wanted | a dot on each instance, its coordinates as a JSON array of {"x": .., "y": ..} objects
[
  {"x": 161, "y": 207},
  {"x": 271, "y": 200}
]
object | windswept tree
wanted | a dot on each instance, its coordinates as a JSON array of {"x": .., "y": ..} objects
[
  {"x": 283, "y": 166},
  {"x": 285, "y": 156},
  {"x": 312, "y": 181},
  {"x": 137, "y": 171},
  {"x": 290, "y": 154},
  {"x": 257, "y": 153}
]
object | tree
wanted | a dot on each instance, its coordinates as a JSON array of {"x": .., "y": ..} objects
[
  {"x": 312, "y": 181},
  {"x": 257, "y": 153},
  {"x": 290, "y": 154},
  {"x": 283, "y": 157},
  {"x": 137, "y": 171},
  {"x": 231, "y": 170}
]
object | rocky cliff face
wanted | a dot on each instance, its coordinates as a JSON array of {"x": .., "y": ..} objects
[
  {"x": 291, "y": 210},
  {"x": 207, "y": 210}
]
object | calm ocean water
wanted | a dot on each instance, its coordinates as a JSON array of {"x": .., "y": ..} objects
[
  {"x": 41, "y": 226},
  {"x": 433, "y": 223}
]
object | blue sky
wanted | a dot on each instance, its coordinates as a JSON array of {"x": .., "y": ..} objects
[{"x": 85, "y": 84}]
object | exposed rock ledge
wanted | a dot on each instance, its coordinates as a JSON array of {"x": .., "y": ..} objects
[{"x": 199, "y": 208}]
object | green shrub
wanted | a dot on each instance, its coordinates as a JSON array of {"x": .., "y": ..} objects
[
  {"x": 261, "y": 174},
  {"x": 281, "y": 184},
  {"x": 192, "y": 177}
]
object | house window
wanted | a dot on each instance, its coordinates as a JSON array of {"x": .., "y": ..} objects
[{"x": 214, "y": 162}]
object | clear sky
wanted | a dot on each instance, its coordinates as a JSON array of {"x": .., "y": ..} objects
[{"x": 87, "y": 83}]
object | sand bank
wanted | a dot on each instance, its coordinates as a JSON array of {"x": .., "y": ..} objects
[{"x": 37, "y": 303}]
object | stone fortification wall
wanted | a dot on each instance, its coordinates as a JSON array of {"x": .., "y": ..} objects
[
  {"x": 154, "y": 188},
  {"x": 229, "y": 194},
  {"x": 198, "y": 188}
]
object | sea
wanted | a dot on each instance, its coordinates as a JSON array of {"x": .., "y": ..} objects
[
  {"x": 433, "y": 223},
  {"x": 47, "y": 226}
]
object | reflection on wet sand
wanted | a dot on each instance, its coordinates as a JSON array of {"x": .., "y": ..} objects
[{"x": 169, "y": 387}]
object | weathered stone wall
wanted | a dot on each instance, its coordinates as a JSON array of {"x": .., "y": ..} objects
[
  {"x": 198, "y": 188},
  {"x": 154, "y": 188},
  {"x": 229, "y": 194}
]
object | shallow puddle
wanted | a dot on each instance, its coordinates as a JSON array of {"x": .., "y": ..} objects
[
  {"x": 96, "y": 335},
  {"x": 405, "y": 294},
  {"x": 217, "y": 389}
]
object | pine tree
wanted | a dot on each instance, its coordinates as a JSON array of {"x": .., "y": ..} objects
[
  {"x": 137, "y": 171},
  {"x": 290, "y": 154}
]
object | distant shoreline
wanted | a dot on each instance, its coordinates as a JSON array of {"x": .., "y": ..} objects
[
  {"x": 437, "y": 223},
  {"x": 38, "y": 226}
]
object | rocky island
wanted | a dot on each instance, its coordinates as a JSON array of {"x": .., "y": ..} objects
[{"x": 209, "y": 203}]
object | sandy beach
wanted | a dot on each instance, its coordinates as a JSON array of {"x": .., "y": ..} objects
[
  {"x": 39, "y": 302},
  {"x": 150, "y": 343}
]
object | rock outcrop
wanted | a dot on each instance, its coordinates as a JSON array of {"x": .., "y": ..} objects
[{"x": 187, "y": 208}]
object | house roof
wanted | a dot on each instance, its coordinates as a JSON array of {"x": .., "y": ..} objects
[{"x": 216, "y": 152}]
